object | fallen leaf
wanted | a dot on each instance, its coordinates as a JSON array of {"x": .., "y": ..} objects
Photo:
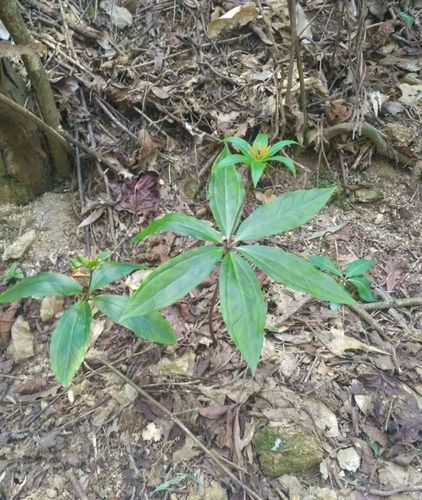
[
  {"x": 119, "y": 16},
  {"x": 411, "y": 94},
  {"x": 148, "y": 149},
  {"x": 179, "y": 365},
  {"x": 337, "y": 342},
  {"x": 22, "y": 344},
  {"x": 6, "y": 322},
  {"x": 323, "y": 418},
  {"x": 348, "y": 459},
  {"x": 395, "y": 270},
  {"x": 139, "y": 195},
  {"x": 213, "y": 412},
  {"x": 242, "y": 14},
  {"x": 31, "y": 386},
  {"x": 188, "y": 451},
  {"x": 8, "y": 49},
  {"x": 151, "y": 432},
  {"x": 92, "y": 217}
]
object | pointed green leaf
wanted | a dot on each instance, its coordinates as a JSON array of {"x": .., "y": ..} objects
[
  {"x": 69, "y": 342},
  {"x": 286, "y": 212},
  {"x": 295, "y": 272},
  {"x": 183, "y": 225},
  {"x": 109, "y": 272},
  {"x": 240, "y": 144},
  {"x": 232, "y": 160},
  {"x": 325, "y": 264},
  {"x": 364, "y": 288},
  {"x": 42, "y": 285},
  {"x": 153, "y": 326},
  {"x": 260, "y": 142},
  {"x": 243, "y": 307},
  {"x": 257, "y": 169},
  {"x": 226, "y": 195},
  {"x": 286, "y": 161},
  {"x": 358, "y": 267},
  {"x": 173, "y": 280},
  {"x": 280, "y": 145}
]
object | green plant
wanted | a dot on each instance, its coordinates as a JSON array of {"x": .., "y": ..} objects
[
  {"x": 242, "y": 301},
  {"x": 257, "y": 155},
  {"x": 12, "y": 273},
  {"x": 70, "y": 338},
  {"x": 353, "y": 277}
]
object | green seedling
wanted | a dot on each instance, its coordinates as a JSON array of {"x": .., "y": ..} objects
[
  {"x": 70, "y": 338},
  {"x": 257, "y": 155},
  {"x": 353, "y": 277},
  {"x": 242, "y": 301},
  {"x": 12, "y": 273}
]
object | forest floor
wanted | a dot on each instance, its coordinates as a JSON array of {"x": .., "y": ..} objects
[{"x": 154, "y": 86}]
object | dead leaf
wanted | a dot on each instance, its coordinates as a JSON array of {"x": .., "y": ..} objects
[
  {"x": 213, "y": 412},
  {"x": 92, "y": 217},
  {"x": 6, "y": 322},
  {"x": 31, "y": 386},
  {"x": 179, "y": 365},
  {"x": 242, "y": 14},
  {"x": 411, "y": 94},
  {"x": 323, "y": 418},
  {"x": 119, "y": 16},
  {"x": 395, "y": 270},
  {"x": 187, "y": 452},
  {"x": 266, "y": 197},
  {"x": 139, "y": 195},
  {"x": 152, "y": 433},
  {"x": 337, "y": 342},
  {"x": 22, "y": 344},
  {"x": 160, "y": 92}
]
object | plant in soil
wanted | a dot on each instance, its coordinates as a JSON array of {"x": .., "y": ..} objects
[
  {"x": 70, "y": 338},
  {"x": 258, "y": 154},
  {"x": 353, "y": 277},
  {"x": 242, "y": 301}
]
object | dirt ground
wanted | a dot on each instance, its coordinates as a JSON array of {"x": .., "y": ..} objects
[{"x": 157, "y": 101}]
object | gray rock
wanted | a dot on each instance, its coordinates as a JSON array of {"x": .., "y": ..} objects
[{"x": 18, "y": 249}]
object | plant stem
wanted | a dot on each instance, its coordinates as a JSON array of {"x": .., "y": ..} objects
[{"x": 211, "y": 314}]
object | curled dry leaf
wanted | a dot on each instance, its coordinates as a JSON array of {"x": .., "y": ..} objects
[
  {"x": 6, "y": 322},
  {"x": 242, "y": 14}
]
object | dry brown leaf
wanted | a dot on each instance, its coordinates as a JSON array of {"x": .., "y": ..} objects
[
  {"x": 6, "y": 322},
  {"x": 148, "y": 149},
  {"x": 242, "y": 14},
  {"x": 187, "y": 452},
  {"x": 31, "y": 386},
  {"x": 337, "y": 342},
  {"x": 92, "y": 217}
]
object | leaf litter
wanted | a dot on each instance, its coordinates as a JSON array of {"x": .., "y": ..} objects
[{"x": 170, "y": 94}]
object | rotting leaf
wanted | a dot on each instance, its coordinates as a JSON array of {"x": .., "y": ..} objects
[
  {"x": 6, "y": 322},
  {"x": 139, "y": 195}
]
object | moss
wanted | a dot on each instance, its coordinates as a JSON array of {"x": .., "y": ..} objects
[{"x": 280, "y": 452}]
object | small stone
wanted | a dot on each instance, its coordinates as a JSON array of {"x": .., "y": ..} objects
[
  {"x": 18, "y": 249},
  {"x": 50, "y": 306},
  {"x": 349, "y": 459},
  {"x": 280, "y": 452},
  {"x": 22, "y": 341},
  {"x": 368, "y": 195}
]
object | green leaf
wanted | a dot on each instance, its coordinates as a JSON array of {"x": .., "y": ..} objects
[
  {"x": 364, "y": 288},
  {"x": 358, "y": 267},
  {"x": 14, "y": 272},
  {"x": 240, "y": 144},
  {"x": 280, "y": 145},
  {"x": 286, "y": 161},
  {"x": 295, "y": 272},
  {"x": 286, "y": 212},
  {"x": 109, "y": 272},
  {"x": 181, "y": 224},
  {"x": 257, "y": 169},
  {"x": 69, "y": 342},
  {"x": 152, "y": 326},
  {"x": 226, "y": 196},
  {"x": 42, "y": 285},
  {"x": 260, "y": 142},
  {"x": 232, "y": 160},
  {"x": 325, "y": 264},
  {"x": 173, "y": 280},
  {"x": 243, "y": 307}
]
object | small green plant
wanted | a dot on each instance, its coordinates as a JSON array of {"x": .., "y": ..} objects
[
  {"x": 242, "y": 301},
  {"x": 70, "y": 338},
  {"x": 12, "y": 273},
  {"x": 353, "y": 277},
  {"x": 257, "y": 155}
]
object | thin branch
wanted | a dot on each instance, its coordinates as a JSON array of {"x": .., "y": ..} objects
[
  {"x": 211, "y": 314},
  {"x": 397, "y": 303},
  {"x": 214, "y": 457}
]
